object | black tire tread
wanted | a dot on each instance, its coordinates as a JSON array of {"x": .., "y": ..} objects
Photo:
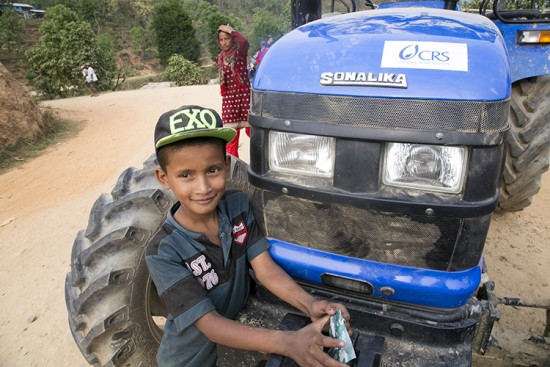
[
  {"x": 528, "y": 143},
  {"x": 104, "y": 261}
]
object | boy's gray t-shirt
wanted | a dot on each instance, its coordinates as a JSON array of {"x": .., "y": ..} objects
[{"x": 194, "y": 276}]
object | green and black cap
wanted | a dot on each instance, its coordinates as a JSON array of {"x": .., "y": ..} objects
[{"x": 189, "y": 122}]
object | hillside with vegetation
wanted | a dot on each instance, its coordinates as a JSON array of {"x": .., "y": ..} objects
[
  {"x": 127, "y": 42},
  {"x": 123, "y": 39}
]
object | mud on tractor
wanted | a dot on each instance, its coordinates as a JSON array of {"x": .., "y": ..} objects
[{"x": 380, "y": 142}]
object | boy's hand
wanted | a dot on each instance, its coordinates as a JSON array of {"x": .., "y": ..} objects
[
  {"x": 305, "y": 346},
  {"x": 321, "y": 308}
]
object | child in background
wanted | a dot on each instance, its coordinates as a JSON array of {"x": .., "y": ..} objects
[
  {"x": 90, "y": 78},
  {"x": 263, "y": 49},
  {"x": 269, "y": 40}
]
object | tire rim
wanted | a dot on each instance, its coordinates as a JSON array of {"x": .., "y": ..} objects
[{"x": 155, "y": 315}]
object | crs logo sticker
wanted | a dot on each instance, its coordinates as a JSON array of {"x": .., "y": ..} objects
[
  {"x": 240, "y": 233},
  {"x": 425, "y": 55}
]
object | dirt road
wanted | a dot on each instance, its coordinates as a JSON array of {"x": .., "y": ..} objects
[{"x": 46, "y": 201}]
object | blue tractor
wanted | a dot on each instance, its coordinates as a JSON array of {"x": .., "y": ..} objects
[{"x": 378, "y": 146}]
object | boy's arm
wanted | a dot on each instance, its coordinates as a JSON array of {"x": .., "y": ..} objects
[
  {"x": 280, "y": 283},
  {"x": 304, "y": 346},
  {"x": 283, "y": 286}
]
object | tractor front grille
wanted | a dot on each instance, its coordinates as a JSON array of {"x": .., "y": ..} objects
[
  {"x": 389, "y": 113},
  {"x": 383, "y": 233},
  {"x": 447, "y": 244}
]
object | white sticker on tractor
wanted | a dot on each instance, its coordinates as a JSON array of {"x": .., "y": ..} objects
[{"x": 425, "y": 55}]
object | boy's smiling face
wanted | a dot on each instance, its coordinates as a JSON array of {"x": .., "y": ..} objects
[{"x": 196, "y": 174}]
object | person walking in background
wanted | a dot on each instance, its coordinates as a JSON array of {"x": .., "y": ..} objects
[
  {"x": 234, "y": 82},
  {"x": 256, "y": 59},
  {"x": 84, "y": 72},
  {"x": 90, "y": 78},
  {"x": 269, "y": 41},
  {"x": 263, "y": 49}
]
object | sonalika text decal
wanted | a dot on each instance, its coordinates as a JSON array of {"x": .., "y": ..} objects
[{"x": 389, "y": 80}]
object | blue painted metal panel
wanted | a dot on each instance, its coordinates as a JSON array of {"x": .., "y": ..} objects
[
  {"x": 437, "y": 4},
  {"x": 356, "y": 42},
  {"x": 525, "y": 60},
  {"x": 425, "y": 287}
]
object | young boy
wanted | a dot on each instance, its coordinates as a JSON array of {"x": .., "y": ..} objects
[
  {"x": 200, "y": 258},
  {"x": 90, "y": 78}
]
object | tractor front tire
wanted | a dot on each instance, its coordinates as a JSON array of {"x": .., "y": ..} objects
[{"x": 528, "y": 143}]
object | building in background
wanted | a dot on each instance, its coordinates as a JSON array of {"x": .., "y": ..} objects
[{"x": 24, "y": 10}]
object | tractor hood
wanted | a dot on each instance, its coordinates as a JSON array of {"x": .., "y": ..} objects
[{"x": 395, "y": 53}]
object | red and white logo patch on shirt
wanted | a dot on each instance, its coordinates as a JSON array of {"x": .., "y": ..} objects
[{"x": 239, "y": 233}]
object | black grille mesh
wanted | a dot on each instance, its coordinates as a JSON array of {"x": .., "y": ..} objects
[
  {"x": 419, "y": 241},
  {"x": 432, "y": 115}
]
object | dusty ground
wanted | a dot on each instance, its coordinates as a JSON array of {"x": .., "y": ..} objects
[{"x": 46, "y": 201}]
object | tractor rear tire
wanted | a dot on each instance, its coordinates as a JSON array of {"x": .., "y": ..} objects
[{"x": 528, "y": 143}]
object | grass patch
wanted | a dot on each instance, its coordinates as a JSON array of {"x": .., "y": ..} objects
[
  {"x": 55, "y": 130},
  {"x": 137, "y": 82}
]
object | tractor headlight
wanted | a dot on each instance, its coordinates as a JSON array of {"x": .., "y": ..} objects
[
  {"x": 533, "y": 37},
  {"x": 425, "y": 167},
  {"x": 300, "y": 154}
]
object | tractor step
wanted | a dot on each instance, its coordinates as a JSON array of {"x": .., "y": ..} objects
[
  {"x": 368, "y": 348},
  {"x": 392, "y": 335}
]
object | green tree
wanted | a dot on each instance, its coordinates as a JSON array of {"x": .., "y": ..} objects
[
  {"x": 265, "y": 23},
  {"x": 11, "y": 35},
  {"x": 104, "y": 64},
  {"x": 542, "y": 5},
  {"x": 142, "y": 40},
  {"x": 65, "y": 44},
  {"x": 104, "y": 11},
  {"x": 200, "y": 11},
  {"x": 184, "y": 72},
  {"x": 92, "y": 11},
  {"x": 174, "y": 32}
]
